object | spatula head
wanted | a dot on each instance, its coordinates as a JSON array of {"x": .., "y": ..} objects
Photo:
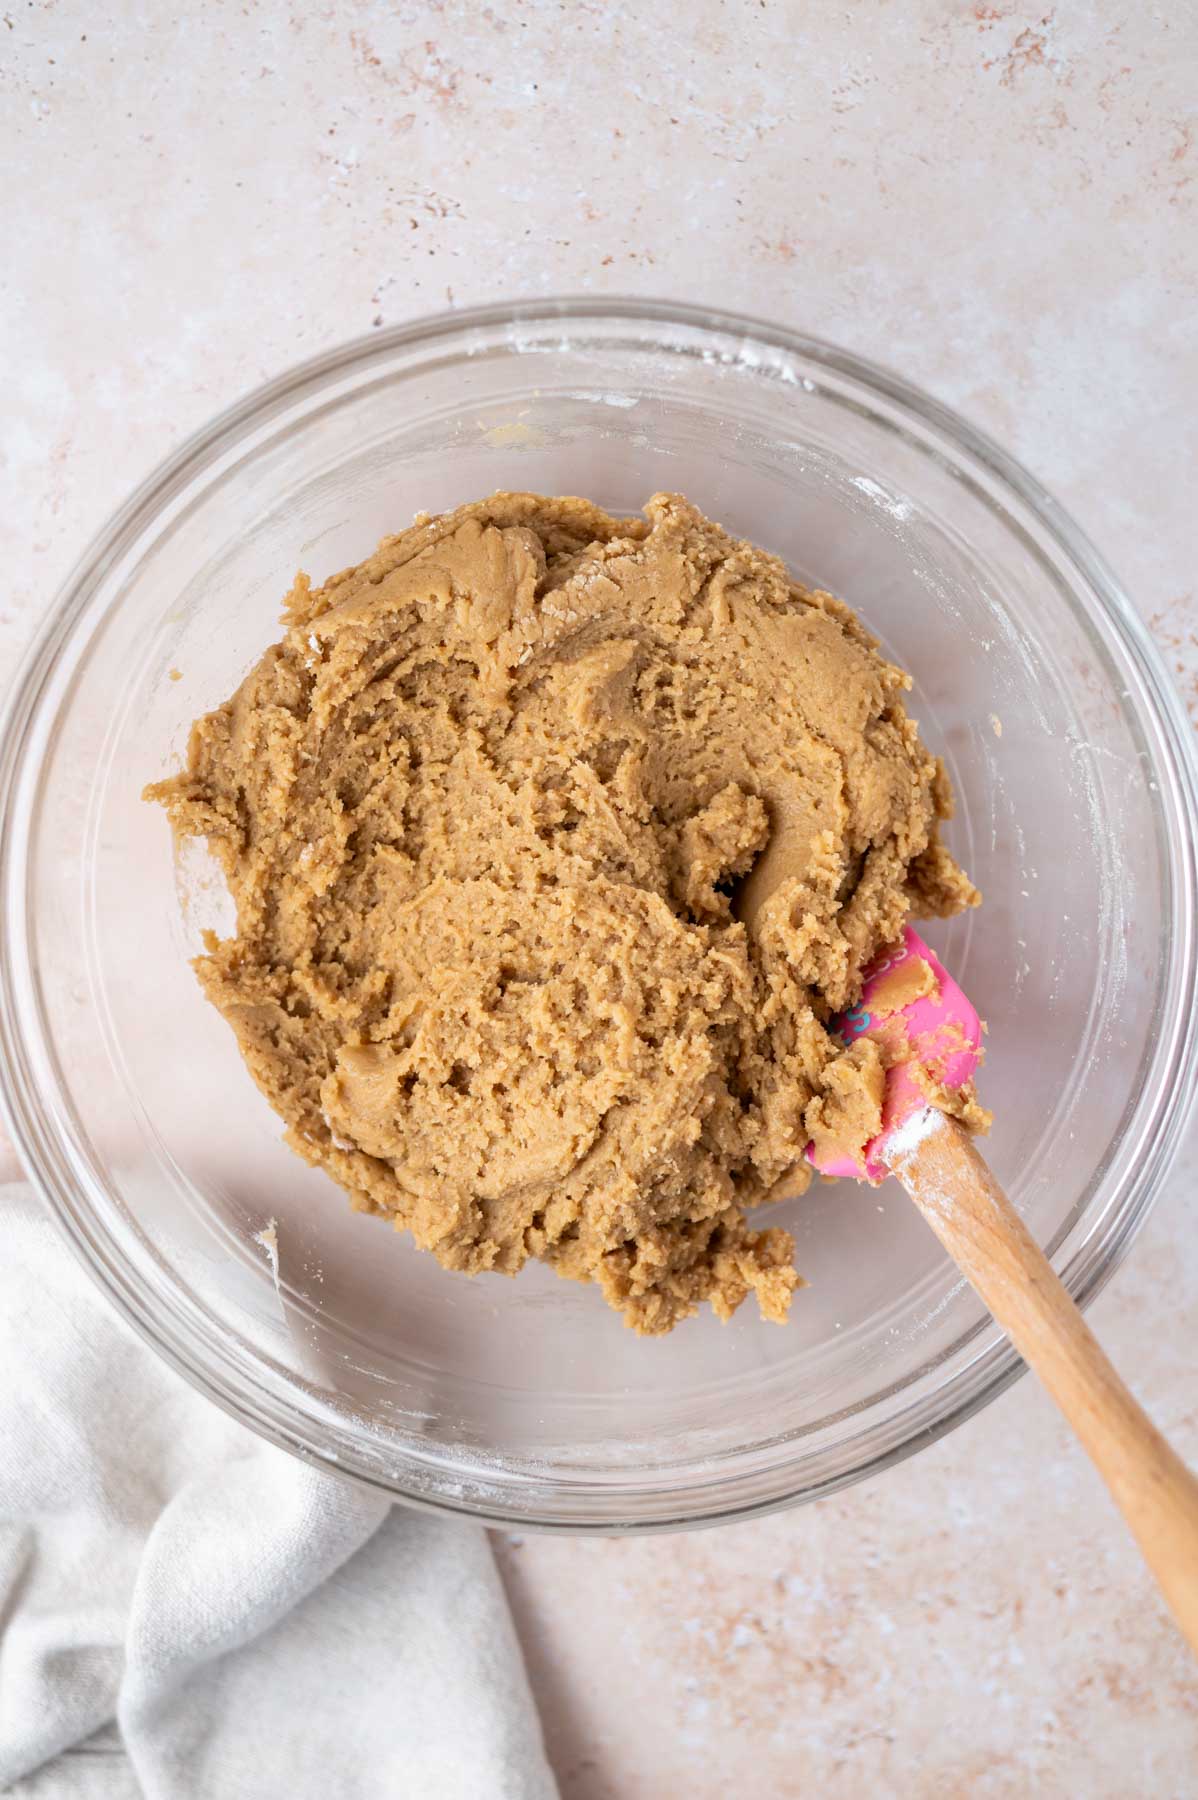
[{"x": 921, "y": 1020}]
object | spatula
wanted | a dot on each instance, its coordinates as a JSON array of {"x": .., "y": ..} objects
[{"x": 931, "y": 1038}]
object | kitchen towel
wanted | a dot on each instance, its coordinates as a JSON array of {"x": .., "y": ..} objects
[{"x": 233, "y": 1624}]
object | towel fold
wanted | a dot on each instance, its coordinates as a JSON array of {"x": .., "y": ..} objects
[{"x": 246, "y": 1627}]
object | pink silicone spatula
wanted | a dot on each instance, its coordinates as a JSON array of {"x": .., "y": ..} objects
[{"x": 935, "y": 1159}]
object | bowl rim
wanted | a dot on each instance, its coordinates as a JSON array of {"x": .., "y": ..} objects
[{"x": 50, "y": 1173}]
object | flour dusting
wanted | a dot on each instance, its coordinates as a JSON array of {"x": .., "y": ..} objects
[
  {"x": 912, "y": 1132},
  {"x": 268, "y": 1237}
]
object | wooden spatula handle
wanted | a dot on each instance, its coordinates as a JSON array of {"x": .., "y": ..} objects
[{"x": 967, "y": 1209}]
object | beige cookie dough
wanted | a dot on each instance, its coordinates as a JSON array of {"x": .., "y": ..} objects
[{"x": 555, "y": 839}]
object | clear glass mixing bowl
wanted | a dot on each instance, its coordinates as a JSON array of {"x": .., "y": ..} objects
[{"x": 527, "y": 1400}]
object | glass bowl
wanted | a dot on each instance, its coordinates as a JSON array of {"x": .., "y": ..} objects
[{"x": 528, "y": 1401}]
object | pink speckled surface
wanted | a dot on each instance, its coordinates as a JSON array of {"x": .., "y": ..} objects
[{"x": 998, "y": 199}]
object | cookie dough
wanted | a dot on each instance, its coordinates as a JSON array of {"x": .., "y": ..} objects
[{"x": 555, "y": 840}]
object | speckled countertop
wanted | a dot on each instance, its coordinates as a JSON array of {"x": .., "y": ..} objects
[{"x": 998, "y": 199}]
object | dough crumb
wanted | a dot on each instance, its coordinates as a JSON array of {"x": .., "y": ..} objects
[
  {"x": 913, "y": 980},
  {"x": 556, "y": 840}
]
